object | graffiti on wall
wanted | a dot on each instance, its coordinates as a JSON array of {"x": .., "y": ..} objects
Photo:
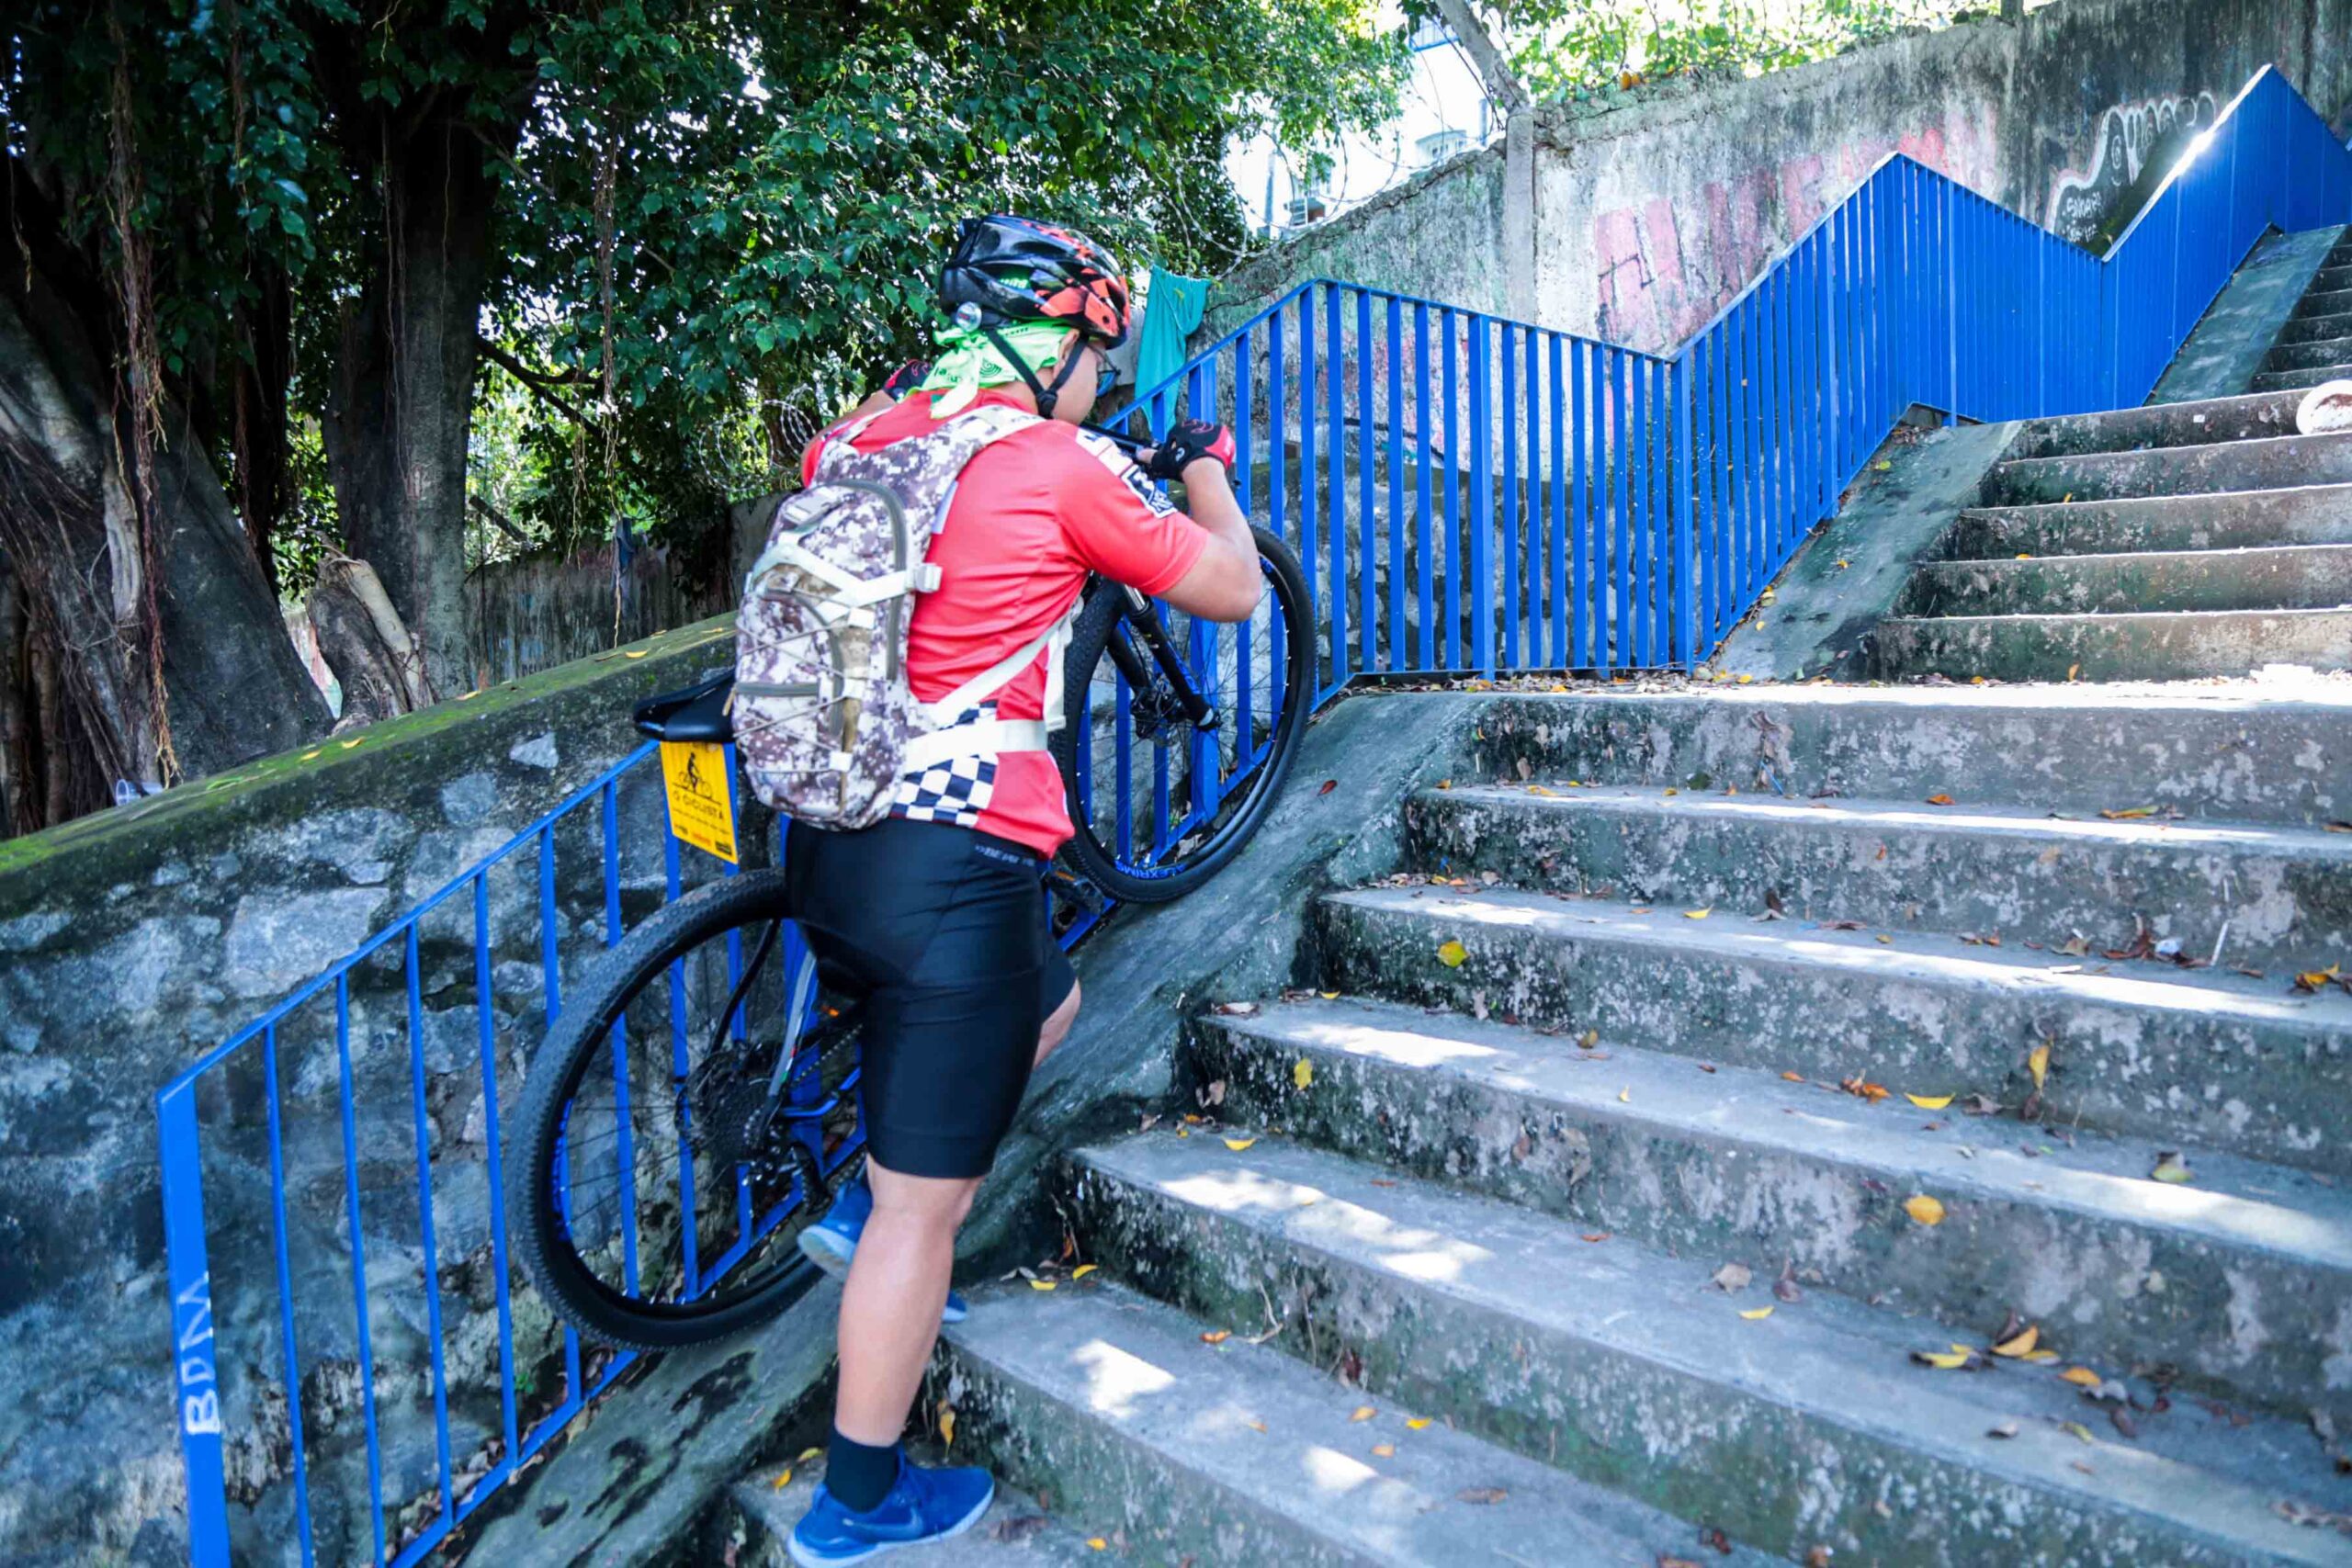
[
  {"x": 2127, "y": 136},
  {"x": 1661, "y": 278}
]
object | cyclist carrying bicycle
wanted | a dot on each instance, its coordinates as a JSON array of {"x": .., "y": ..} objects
[{"x": 933, "y": 917}]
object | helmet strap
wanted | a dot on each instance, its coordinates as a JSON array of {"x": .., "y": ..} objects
[{"x": 1046, "y": 395}]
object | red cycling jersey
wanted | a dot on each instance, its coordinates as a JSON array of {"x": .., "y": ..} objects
[{"x": 1033, "y": 516}]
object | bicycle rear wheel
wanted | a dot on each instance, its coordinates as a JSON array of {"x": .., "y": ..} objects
[
  {"x": 1158, "y": 807},
  {"x": 654, "y": 1197}
]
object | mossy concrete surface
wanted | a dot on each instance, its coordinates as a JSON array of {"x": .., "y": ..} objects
[
  {"x": 2216, "y": 1060},
  {"x": 1234, "y": 1453},
  {"x": 2284, "y": 894},
  {"x": 1810, "y": 1426},
  {"x": 2177, "y": 645},
  {"x": 2313, "y": 514},
  {"x": 2282, "y": 577},
  {"x": 1701, "y": 1158}
]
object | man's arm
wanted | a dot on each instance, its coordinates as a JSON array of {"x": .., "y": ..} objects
[{"x": 1225, "y": 582}]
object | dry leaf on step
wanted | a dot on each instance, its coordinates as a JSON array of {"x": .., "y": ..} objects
[
  {"x": 1452, "y": 954},
  {"x": 1733, "y": 1277},
  {"x": 1924, "y": 1210}
]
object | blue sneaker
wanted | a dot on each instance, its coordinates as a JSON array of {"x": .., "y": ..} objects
[
  {"x": 921, "y": 1506},
  {"x": 832, "y": 1242}
]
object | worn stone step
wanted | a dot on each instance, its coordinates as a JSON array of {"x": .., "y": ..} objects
[
  {"x": 1710, "y": 1159},
  {"x": 2282, "y": 756},
  {"x": 2269, "y": 463},
  {"x": 2309, "y": 354},
  {"x": 1811, "y": 1428},
  {"x": 2212, "y": 1057},
  {"x": 752, "y": 1527},
  {"x": 2278, "y": 380},
  {"x": 2157, "y": 425},
  {"x": 1235, "y": 1453},
  {"x": 2315, "y": 514},
  {"x": 2311, "y": 325},
  {"x": 2301, "y": 577},
  {"x": 2333, "y": 277},
  {"x": 2164, "y": 646},
  {"x": 2325, "y": 302},
  {"x": 2284, "y": 893}
]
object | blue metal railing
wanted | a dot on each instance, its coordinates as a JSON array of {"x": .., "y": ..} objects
[
  {"x": 1469, "y": 495},
  {"x": 1535, "y": 500}
]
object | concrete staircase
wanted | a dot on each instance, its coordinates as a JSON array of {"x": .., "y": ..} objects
[
  {"x": 1471, "y": 1259},
  {"x": 2170, "y": 542}
]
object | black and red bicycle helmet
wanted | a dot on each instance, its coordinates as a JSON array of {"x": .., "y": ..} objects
[{"x": 1017, "y": 269}]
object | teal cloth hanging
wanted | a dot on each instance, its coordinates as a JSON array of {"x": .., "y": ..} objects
[{"x": 1172, "y": 310}]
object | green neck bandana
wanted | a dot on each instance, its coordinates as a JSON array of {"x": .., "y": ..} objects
[{"x": 967, "y": 361}]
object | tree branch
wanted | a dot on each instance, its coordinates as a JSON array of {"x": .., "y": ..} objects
[
  {"x": 1501, "y": 86},
  {"x": 533, "y": 381}
]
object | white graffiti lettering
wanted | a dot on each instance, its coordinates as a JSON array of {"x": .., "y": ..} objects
[
  {"x": 192, "y": 1310},
  {"x": 2128, "y": 135},
  {"x": 200, "y": 1414}
]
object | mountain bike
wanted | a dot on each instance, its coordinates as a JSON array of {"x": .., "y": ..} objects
[{"x": 695, "y": 1101}]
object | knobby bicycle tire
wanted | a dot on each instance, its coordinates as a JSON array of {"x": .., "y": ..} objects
[
  {"x": 580, "y": 1040},
  {"x": 1085, "y": 851}
]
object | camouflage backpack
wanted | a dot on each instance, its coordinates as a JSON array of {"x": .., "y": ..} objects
[{"x": 825, "y": 723}]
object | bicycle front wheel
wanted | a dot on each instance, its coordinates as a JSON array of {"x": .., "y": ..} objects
[{"x": 1158, "y": 805}]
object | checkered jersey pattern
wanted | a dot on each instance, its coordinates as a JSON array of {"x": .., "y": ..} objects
[{"x": 955, "y": 791}]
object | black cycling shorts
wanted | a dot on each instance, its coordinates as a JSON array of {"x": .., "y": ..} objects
[{"x": 941, "y": 933}]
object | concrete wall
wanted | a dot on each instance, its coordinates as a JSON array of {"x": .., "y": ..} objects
[
  {"x": 1650, "y": 216},
  {"x": 135, "y": 940},
  {"x": 528, "y": 615}
]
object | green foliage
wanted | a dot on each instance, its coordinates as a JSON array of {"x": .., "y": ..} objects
[
  {"x": 1572, "y": 47},
  {"x": 770, "y": 185}
]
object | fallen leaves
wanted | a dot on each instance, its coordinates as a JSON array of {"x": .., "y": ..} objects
[
  {"x": 2038, "y": 1064},
  {"x": 1697, "y": 914},
  {"x": 2313, "y": 980},
  {"x": 1861, "y": 1088},
  {"x": 2130, "y": 812},
  {"x": 1329, "y": 785},
  {"x": 1732, "y": 1277},
  {"x": 1924, "y": 1209},
  {"x": 1216, "y": 1336},
  {"x": 1940, "y": 799},
  {"x": 1929, "y": 1102},
  {"x": 1384, "y": 1451},
  {"x": 1485, "y": 1496},
  {"x": 2082, "y": 1377},
  {"x": 946, "y": 1424},
  {"x": 1363, "y": 1413},
  {"x": 1415, "y": 1422},
  {"x": 1238, "y": 1144},
  {"x": 1757, "y": 1315},
  {"x": 2171, "y": 1168},
  {"x": 1958, "y": 1357},
  {"x": 1082, "y": 1270},
  {"x": 1234, "y": 1010},
  {"x": 2021, "y": 1345},
  {"x": 1302, "y": 1074},
  {"x": 1452, "y": 954}
]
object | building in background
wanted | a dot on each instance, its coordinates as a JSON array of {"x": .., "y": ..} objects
[{"x": 1444, "y": 112}]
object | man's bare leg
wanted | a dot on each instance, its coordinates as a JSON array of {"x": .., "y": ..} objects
[
  {"x": 1056, "y": 1028},
  {"x": 898, "y": 1284}
]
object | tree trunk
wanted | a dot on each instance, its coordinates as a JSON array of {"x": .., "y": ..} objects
[
  {"x": 361, "y": 638},
  {"x": 233, "y": 687},
  {"x": 402, "y": 406}
]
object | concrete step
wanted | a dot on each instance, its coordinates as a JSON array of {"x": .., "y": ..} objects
[
  {"x": 2315, "y": 515},
  {"x": 2332, "y": 277},
  {"x": 2172, "y": 646},
  {"x": 2310, "y": 326},
  {"x": 2285, "y": 893},
  {"x": 1807, "y": 1428},
  {"x": 1704, "y": 1159},
  {"x": 2299, "y": 577},
  {"x": 2159, "y": 424},
  {"x": 2210, "y": 1057},
  {"x": 2244, "y": 756},
  {"x": 2272, "y": 463},
  {"x": 2278, "y": 380},
  {"x": 2309, "y": 354},
  {"x": 1235, "y": 1453},
  {"x": 2325, "y": 302},
  {"x": 755, "y": 1521}
]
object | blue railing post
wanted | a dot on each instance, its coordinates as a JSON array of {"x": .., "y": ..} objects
[
  {"x": 1685, "y": 601},
  {"x": 196, "y": 1372},
  {"x": 1482, "y": 497}
]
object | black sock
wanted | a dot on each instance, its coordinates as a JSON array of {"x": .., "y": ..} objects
[{"x": 860, "y": 1474}]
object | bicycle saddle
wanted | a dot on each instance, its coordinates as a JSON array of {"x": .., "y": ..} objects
[{"x": 691, "y": 713}]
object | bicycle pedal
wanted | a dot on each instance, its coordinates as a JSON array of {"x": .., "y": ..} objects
[{"x": 1079, "y": 891}]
